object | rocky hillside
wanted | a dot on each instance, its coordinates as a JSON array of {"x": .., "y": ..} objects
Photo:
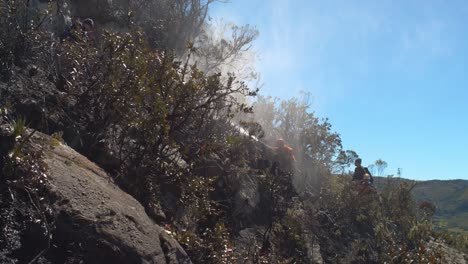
[
  {"x": 84, "y": 215},
  {"x": 62, "y": 208},
  {"x": 116, "y": 148}
]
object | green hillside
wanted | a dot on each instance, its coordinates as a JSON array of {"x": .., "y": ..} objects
[{"x": 450, "y": 198}]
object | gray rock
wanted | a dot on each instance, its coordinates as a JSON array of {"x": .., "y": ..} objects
[
  {"x": 112, "y": 224},
  {"x": 449, "y": 255},
  {"x": 313, "y": 250},
  {"x": 247, "y": 195}
]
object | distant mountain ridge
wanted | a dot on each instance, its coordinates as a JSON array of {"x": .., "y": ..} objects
[{"x": 449, "y": 196}]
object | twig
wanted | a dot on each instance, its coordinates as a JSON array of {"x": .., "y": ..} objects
[
  {"x": 39, "y": 255},
  {"x": 46, "y": 227},
  {"x": 11, "y": 194},
  {"x": 43, "y": 219},
  {"x": 26, "y": 139}
]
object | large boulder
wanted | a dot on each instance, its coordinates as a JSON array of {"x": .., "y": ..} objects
[{"x": 109, "y": 225}]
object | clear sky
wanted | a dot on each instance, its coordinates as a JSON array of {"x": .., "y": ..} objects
[{"x": 392, "y": 75}]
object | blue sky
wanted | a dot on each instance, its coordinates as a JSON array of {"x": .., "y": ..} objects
[{"x": 392, "y": 76}]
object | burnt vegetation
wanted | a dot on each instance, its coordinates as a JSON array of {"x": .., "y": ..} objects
[{"x": 150, "y": 104}]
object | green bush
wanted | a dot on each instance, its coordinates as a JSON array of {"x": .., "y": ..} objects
[
  {"x": 398, "y": 228},
  {"x": 149, "y": 109}
]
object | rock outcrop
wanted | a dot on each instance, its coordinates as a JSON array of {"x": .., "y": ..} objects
[
  {"x": 450, "y": 255},
  {"x": 109, "y": 225}
]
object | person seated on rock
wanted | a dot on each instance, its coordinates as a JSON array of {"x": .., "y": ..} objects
[
  {"x": 88, "y": 28},
  {"x": 362, "y": 176},
  {"x": 78, "y": 29}
]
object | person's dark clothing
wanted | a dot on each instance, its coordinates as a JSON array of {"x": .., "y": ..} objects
[
  {"x": 79, "y": 28},
  {"x": 71, "y": 32},
  {"x": 359, "y": 174}
]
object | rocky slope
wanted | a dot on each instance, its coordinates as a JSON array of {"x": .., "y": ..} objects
[
  {"x": 89, "y": 210},
  {"x": 224, "y": 197}
]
